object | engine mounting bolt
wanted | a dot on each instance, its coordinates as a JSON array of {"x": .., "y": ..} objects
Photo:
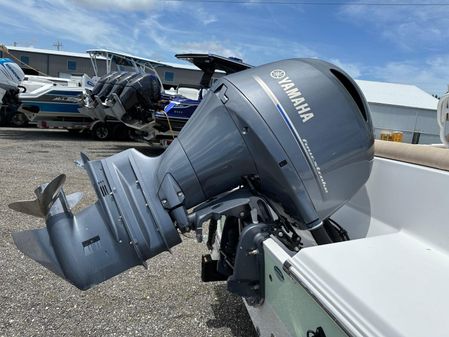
[
  {"x": 180, "y": 194},
  {"x": 164, "y": 202},
  {"x": 242, "y": 214},
  {"x": 253, "y": 252},
  {"x": 280, "y": 234}
]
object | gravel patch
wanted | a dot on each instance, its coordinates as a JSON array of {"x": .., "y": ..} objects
[{"x": 168, "y": 299}]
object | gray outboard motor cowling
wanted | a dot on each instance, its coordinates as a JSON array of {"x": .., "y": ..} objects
[
  {"x": 109, "y": 84},
  {"x": 101, "y": 82},
  {"x": 120, "y": 85},
  {"x": 144, "y": 90},
  {"x": 298, "y": 131},
  {"x": 141, "y": 97}
]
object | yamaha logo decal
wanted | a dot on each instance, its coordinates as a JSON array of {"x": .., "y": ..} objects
[{"x": 277, "y": 74}]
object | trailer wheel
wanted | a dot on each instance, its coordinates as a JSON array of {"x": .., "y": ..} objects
[
  {"x": 100, "y": 131},
  {"x": 19, "y": 120}
]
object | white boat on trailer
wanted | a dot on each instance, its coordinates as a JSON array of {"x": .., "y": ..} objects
[
  {"x": 56, "y": 102},
  {"x": 137, "y": 74},
  {"x": 53, "y": 102}
]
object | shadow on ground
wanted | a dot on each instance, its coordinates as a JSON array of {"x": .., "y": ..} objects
[
  {"x": 231, "y": 313},
  {"x": 33, "y": 133},
  {"x": 94, "y": 151}
]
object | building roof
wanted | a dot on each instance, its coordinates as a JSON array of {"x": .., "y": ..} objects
[
  {"x": 141, "y": 59},
  {"x": 85, "y": 55},
  {"x": 47, "y": 51},
  {"x": 397, "y": 94}
]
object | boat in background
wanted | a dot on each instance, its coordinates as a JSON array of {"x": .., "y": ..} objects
[
  {"x": 98, "y": 102},
  {"x": 53, "y": 102},
  {"x": 181, "y": 107},
  {"x": 141, "y": 102}
]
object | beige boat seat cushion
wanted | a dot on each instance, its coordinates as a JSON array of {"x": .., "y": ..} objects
[{"x": 424, "y": 155}]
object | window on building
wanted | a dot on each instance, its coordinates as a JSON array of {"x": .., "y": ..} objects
[
  {"x": 169, "y": 76},
  {"x": 1, "y": 54},
  {"x": 71, "y": 65},
  {"x": 25, "y": 59}
]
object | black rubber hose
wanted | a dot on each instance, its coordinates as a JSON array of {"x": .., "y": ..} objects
[
  {"x": 332, "y": 231},
  {"x": 321, "y": 236}
]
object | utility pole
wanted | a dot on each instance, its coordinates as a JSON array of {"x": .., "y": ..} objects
[{"x": 58, "y": 45}]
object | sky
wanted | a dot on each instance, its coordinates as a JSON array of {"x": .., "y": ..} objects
[{"x": 402, "y": 41}]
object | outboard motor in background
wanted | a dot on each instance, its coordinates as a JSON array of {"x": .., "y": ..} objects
[
  {"x": 140, "y": 97},
  {"x": 109, "y": 84},
  {"x": 294, "y": 137},
  {"x": 90, "y": 100},
  {"x": 121, "y": 83},
  {"x": 11, "y": 75},
  {"x": 101, "y": 82}
]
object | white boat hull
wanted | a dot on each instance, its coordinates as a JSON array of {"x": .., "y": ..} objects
[{"x": 388, "y": 280}]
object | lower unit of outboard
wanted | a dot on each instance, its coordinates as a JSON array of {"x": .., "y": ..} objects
[{"x": 275, "y": 149}]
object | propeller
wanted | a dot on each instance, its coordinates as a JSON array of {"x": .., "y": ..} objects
[{"x": 47, "y": 195}]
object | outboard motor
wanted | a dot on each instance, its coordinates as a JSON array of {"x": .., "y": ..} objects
[
  {"x": 109, "y": 84},
  {"x": 277, "y": 149},
  {"x": 140, "y": 96},
  {"x": 101, "y": 82},
  {"x": 121, "y": 83},
  {"x": 11, "y": 75}
]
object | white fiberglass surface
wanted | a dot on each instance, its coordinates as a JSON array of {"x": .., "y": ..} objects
[
  {"x": 391, "y": 279},
  {"x": 400, "y": 197},
  {"x": 190, "y": 93},
  {"x": 36, "y": 88}
]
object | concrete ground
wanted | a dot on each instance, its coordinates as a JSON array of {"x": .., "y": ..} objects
[{"x": 168, "y": 299}]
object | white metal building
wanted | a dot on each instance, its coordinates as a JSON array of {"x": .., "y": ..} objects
[
  {"x": 402, "y": 107},
  {"x": 61, "y": 63}
]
